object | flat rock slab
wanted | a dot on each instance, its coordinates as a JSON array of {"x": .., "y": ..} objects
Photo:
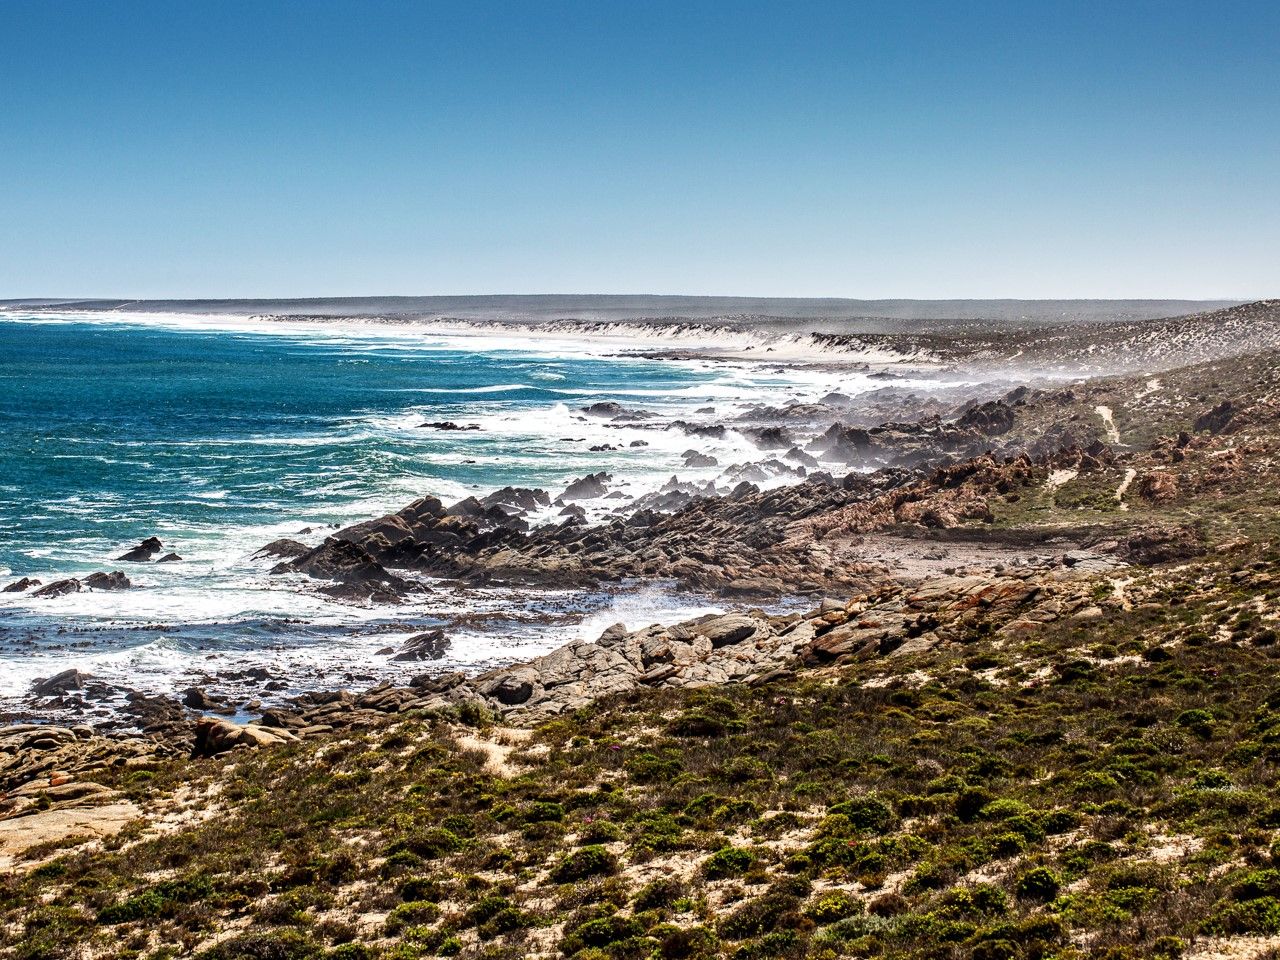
[{"x": 48, "y": 826}]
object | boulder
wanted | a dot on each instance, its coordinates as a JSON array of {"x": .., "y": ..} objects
[
  {"x": 107, "y": 581},
  {"x": 59, "y": 588},
  {"x": 591, "y": 487},
  {"x": 59, "y": 683},
  {"x": 1158, "y": 486},
  {"x": 18, "y": 586},
  {"x": 283, "y": 548},
  {"x": 423, "y": 646},
  {"x": 1218, "y": 419},
  {"x": 511, "y": 689},
  {"x": 355, "y": 574},
  {"x": 143, "y": 551},
  {"x": 197, "y": 699},
  {"x": 213, "y": 736},
  {"x": 694, "y": 459},
  {"x": 729, "y": 629}
]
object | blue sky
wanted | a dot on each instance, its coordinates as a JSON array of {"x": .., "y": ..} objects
[{"x": 863, "y": 149}]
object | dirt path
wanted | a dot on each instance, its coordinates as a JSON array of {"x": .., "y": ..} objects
[
  {"x": 1129, "y": 476},
  {"x": 1108, "y": 421}
]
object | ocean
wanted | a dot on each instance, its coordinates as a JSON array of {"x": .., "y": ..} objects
[{"x": 218, "y": 435}]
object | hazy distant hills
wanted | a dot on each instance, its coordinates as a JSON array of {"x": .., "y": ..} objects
[{"x": 832, "y": 314}]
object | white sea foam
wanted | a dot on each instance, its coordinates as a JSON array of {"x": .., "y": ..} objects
[{"x": 217, "y": 593}]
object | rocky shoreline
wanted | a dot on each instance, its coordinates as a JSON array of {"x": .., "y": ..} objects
[{"x": 1023, "y": 690}]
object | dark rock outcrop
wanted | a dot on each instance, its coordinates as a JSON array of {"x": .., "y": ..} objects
[
  {"x": 591, "y": 487},
  {"x": 143, "y": 552},
  {"x": 424, "y": 646},
  {"x": 356, "y": 575}
]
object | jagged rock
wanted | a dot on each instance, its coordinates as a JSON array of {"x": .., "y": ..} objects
[
  {"x": 143, "y": 551},
  {"x": 694, "y": 459},
  {"x": 990, "y": 419},
  {"x": 60, "y": 683},
  {"x": 447, "y": 425},
  {"x": 1158, "y": 486},
  {"x": 214, "y": 735},
  {"x": 107, "y": 581},
  {"x": 617, "y": 412},
  {"x": 1154, "y": 545},
  {"x": 591, "y": 487},
  {"x": 18, "y": 586},
  {"x": 59, "y": 588},
  {"x": 355, "y": 573},
  {"x": 771, "y": 438},
  {"x": 198, "y": 699},
  {"x": 521, "y": 497},
  {"x": 94, "y": 581},
  {"x": 796, "y": 455},
  {"x": 424, "y": 646},
  {"x": 714, "y": 431},
  {"x": 283, "y": 548},
  {"x": 1218, "y": 419},
  {"x": 488, "y": 515}
]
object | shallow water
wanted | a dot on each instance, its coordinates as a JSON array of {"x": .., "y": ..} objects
[{"x": 220, "y": 435}]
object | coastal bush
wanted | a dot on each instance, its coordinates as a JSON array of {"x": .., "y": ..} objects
[
  {"x": 601, "y": 932},
  {"x": 869, "y": 813},
  {"x": 163, "y": 899},
  {"x": 759, "y": 916},
  {"x": 662, "y": 892},
  {"x": 727, "y": 862},
  {"x": 831, "y": 907},
  {"x": 428, "y": 844},
  {"x": 265, "y": 945},
  {"x": 586, "y": 862},
  {"x": 1038, "y": 884},
  {"x": 411, "y": 914}
]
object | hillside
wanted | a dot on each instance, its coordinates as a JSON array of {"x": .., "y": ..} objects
[{"x": 1023, "y": 704}]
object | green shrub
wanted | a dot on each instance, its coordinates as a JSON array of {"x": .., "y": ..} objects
[
  {"x": 484, "y": 910},
  {"x": 412, "y": 914},
  {"x": 543, "y": 812},
  {"x": 727, "y": 862},
  {"x": 758, "y": 916},
  {"x": 1039, "y": 884},
  {"x": 869, "y": 813},
  {"x": 428, "y": 844},
  {"x": 650, "y": 768},
  {"x": 1260, "y": 915},
  {"x": 601, "y": 933},
  {"x": 692, "y": 943},
  {"x": 589, "y": 861},
  {"x": 662, "y": 892},
  {"x": 160, "y": 900},
  {"x": 264, "y": 945},
  {"x": 832, "y": 907}
]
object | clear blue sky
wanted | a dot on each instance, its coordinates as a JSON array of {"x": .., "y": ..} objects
[{"x": 878, "y": 149}]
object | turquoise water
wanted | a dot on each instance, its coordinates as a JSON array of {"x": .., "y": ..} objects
[
  {"x": 109, "y": 433},
  {"x": 218, "y": 437}
]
